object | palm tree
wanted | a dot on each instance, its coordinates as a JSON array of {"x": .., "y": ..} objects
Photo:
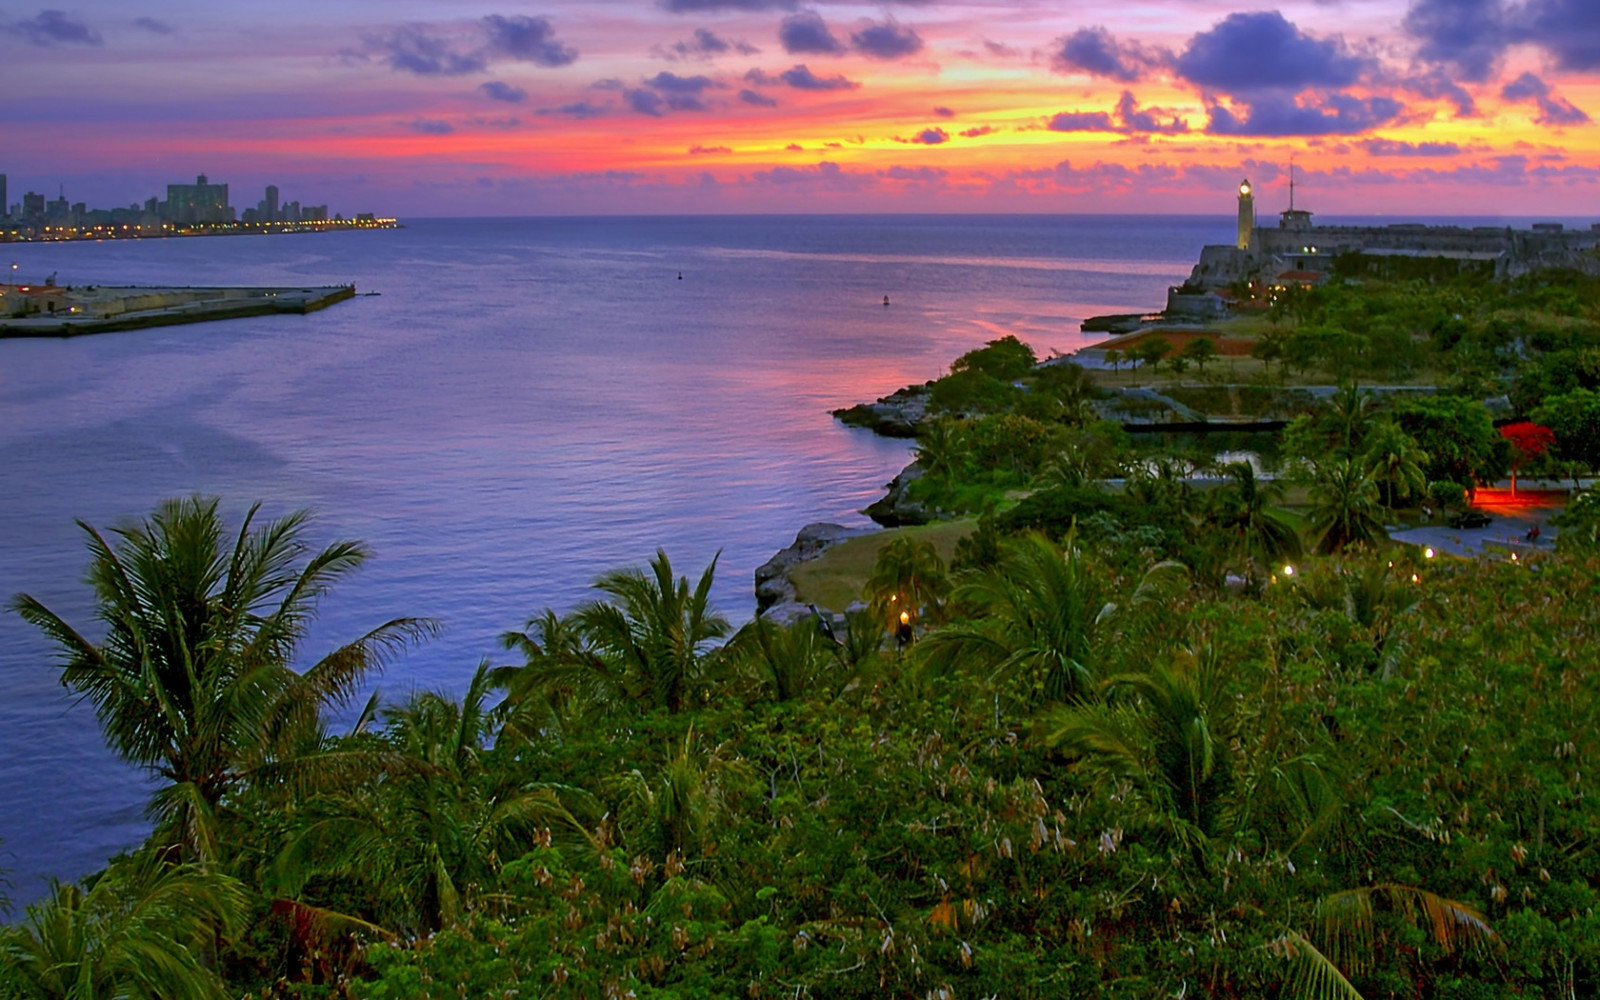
[
  {"x": 908, "y": 582},
  {"x": 941, "y": 446},
  {"x": 651, "y": 637},
  {"x": 1259, "y": 532},
  {"x": 429, "y": 837},
  {"x": 1043, "y": 621},
  {"x": 1395, "y": 462},
  {"x": 1350, "y": 937},
  {"x": 559, "y": 668},
  {"x": 1371, "y": 596},
  {"x": 676, "y": 809},
  {"x": 1166, "y": 730},
  {"x": 789, "y": 662},
  {"x": 1344, "y": 506},
  {"x": 1349, "y": 417},
  {"x": 192, "y": 681},
  {"x": 144, "y": 928}
]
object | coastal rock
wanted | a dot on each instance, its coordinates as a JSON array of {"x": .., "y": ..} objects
[
  {"x": 774, "y": 590},
  {"x": 897, "y": 509},
  {"x": 896, "y": 415}
]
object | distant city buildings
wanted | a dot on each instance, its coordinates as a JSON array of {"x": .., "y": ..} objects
[{"x": 189, "y": 209}]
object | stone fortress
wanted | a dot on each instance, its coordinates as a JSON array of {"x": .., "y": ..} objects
[{"x": 1297, "y": 251}]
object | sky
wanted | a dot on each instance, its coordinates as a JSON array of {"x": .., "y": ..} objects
[{"x": 417, "y": 108}]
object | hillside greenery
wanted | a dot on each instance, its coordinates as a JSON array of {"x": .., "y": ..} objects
[{"x": 1131, "y": 736}]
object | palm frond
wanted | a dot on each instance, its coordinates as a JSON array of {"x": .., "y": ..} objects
[{"x": 1315, "y": 976}]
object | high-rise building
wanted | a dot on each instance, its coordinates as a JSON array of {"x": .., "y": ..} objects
[
  {"x": 198, "y": 202},
  {"x": 272, "y": 203},
  {"x": 5, "y": 206},
  {"x": 33, "y": 207}
]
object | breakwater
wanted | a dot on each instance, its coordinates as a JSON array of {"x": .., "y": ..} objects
[{"x": 49, "y": 311}]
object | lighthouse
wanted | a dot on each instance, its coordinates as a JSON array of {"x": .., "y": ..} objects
[{"x": 1247, "y": 214}]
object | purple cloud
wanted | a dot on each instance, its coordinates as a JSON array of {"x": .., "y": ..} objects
[
  {"x": 708, "y": 150},
  {"x": 928, "y": 137},
  {"x": 944, "y": 112},
  {"x": 646, "y": 102},
  {"x": 700, "y": 6},
  {"x": 154, "y": 26},
  {"x": 1567, "y": 29},
  {"x": 973, "y": 133},
  {"x": 801, "y": 78},
  {"x": 806, "y": 32},
  {"x": 1392, "y": 147},
  {"x": 1262, "y": 51},
  {"x": 1127, "y": 119},
  {"x": 704, "y": 45},
  {"x": 888, "y": 40},
  {"x": 672, "y": 83},
  {"x": 432, "y": 126},
  {"x": 49, "y": 28},
  {"x": 1469, "y": 36},
  {"x": 415, "y": 49},
  {"x": 1277, "y": 116},
  {"x": 1096, "y": 52},
  {"x": 1554, "y": 111},
  {"x": 498, "y": 91},
  {"x": 755, "y": 99},
  {"x": 527, "y": 39},
  {"x": 580, "y": 110}
]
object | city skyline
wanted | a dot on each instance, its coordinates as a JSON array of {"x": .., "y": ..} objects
[{"x": 1404, "y": 107}]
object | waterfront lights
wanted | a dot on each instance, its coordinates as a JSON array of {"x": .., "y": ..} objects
[
  {"x": 1288, "y": 571},
  {"x": 1427, "y": 553},
  {"x": 905, "y": 618}
]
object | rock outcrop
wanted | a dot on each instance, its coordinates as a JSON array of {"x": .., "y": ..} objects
[
  {"x": 775, "y": 595},
  {"x": 896, "y": 509},
  {"x": 896, "y": 415}
]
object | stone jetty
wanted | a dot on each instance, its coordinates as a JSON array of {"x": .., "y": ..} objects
[{"x": 62, "y": 311}]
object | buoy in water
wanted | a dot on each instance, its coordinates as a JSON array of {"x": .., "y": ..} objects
[
  {"x": 680, "y": 275},
  {"x": 886, "y": 301}
]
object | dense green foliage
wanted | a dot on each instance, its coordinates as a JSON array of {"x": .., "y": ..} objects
[{"x": 1102, "y": 778}]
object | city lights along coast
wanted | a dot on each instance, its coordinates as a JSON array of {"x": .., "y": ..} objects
[{"x": 198, "y": 209}]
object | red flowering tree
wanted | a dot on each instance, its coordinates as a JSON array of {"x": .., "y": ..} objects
[{"x": 1528, "y": 441}]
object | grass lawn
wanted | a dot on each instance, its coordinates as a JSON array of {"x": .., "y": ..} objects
[{"x": 834, "y": 580}]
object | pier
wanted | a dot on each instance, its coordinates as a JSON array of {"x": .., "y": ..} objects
[{"x": 52, "y": 311}]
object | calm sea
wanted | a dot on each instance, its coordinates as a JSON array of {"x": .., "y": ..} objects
[{"x": 523, "y": 406}]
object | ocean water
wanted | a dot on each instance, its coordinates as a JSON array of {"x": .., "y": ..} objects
[{"x": 523, "y": 406}]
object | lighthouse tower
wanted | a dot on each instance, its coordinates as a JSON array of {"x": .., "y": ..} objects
[{"x": 1247, "y": 215}]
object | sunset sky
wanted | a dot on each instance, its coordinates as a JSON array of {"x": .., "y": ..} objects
[{"x": 428, "y": 107}]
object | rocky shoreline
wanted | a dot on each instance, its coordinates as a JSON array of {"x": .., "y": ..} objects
[{"x": 775, "y": 593}]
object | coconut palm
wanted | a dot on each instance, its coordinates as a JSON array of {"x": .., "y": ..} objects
[
  {"x": 1349, "y": 418},
  {"x": 1350, "y": 937},
  {"x": 941, "y": 446},
  {"x": 1395, "y": 461},
  {"x": 676, "y": 808},
  {"x": 1043, "y": 621},
  {"x": 1371, "y": 596},
  {"x": 560, "y": 666},
  {"x": 193, "y": 679},
  {"x": 1344, "y": 506},
  {"x": 908, "y": 581},
  {"x": 430, "y": 836},
  {"x": 789, "y": 662},
  {"x": 650, "y": 638},
  {"x": 1257, "y": 533},
  {"x": 143, "y": 929},
  {"x": 1166, "y": 730}
]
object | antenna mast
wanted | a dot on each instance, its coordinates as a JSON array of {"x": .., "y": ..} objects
[{"x": 1291, "y": 183}]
